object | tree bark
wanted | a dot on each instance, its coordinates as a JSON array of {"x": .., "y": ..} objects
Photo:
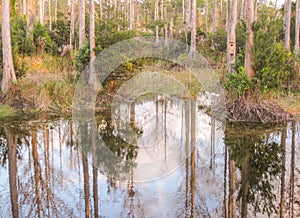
[
  {"x": 231, "y": 36},
  {"x": 188, "y": 8},
  {"x": 297, "y": 27},
  {"x": 249, "y": 39},
  {"x": 72, "y": 23},
  {"x": 50, "y": 15},
  {"x": 8, "y": 66},
  {"x": 55, "y": 11},
  {"x": 194, "y": 26},
  {"x": 82, "y": 37},
  {"x": 287, "y": 23},
  {"x": 42, "y": 11},
  {"x": 30, "y": 17},
  {"x": 131, "y": 15},
  {"x": 100, "y": 10}
]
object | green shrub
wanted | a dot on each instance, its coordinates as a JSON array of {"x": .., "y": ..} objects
[
  {"x": 82, "y": 59},
  {"x": 237, "y": 83},
  {"x": 272, "y": 62},
  {"x": 42, "y": 40}
]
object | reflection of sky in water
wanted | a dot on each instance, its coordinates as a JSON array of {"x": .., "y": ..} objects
[{"x": 165, "y": 197}]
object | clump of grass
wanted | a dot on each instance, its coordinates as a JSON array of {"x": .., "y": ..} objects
[{"x": 6, "y": 111}]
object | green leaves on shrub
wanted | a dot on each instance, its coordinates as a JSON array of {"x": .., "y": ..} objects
[{"x": 238, "y": 83}]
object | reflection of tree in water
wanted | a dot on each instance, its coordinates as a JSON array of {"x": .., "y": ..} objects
[{"x": 260, "y": 160}]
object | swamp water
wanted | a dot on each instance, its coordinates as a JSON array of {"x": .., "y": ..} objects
[{"x": 234, "y": 170}]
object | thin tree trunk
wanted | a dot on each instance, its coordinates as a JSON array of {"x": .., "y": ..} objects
[
  {"x": 131, "y": 15},
  {"x": 297, "y": 27},
  {"x": 24, "y": 7},
  {"x": 100, "y": 10},
  {"x": 188, "y": 8},
  {"x": 42, "y": 10},
  {"x": 72, "y": 23},
  {"x": 82, "y": 37},
  {"x": 194, "y": 26},
  {"x": 214, "y": 14},
  {"x": 155, "y": 19},
  {"x": 249, "y": 39},
  {"x": 12, "y": 169},
  {"x": 287, "y": 23},
  {"x": 55, "y": 11},
  {"x": 50, "y": 15},
  {"x": 171, "y": 35},
  {"x": 231, "y": 37},
  {"x": 7, "y": 60}
]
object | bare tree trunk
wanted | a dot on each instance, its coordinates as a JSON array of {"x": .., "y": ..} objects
[
  {"x": 231, "y": 38},
  {"x": 131, "y": 15},
  {"x": 50, "y": 15},
  {"x": 155, "y": 19},
  {"x": 55, "y": 11},
  {"x": 221, "y": 13},
  {"x": 171, "y": 35},
  {"x": 100, "y": 10},
  {"x": 30, "y": 17},
  {"x": 214, "y": 20},
  {"x": 24, "y": 7},
  {"x": 242, "y": 9},
  {"x": 82, "y": 37},
  {"x": 188, "y": 8},
  {"x": 8, "y": 65},
  {"x": 72, "y": 23},
  {"x": 297, "y": 27},
  {"x": 194, "y": 26},
  {"x": 42, "y": 11},
  {"x": 287, "y": 23},
  {"x": 249, "y": 39},
  {"x": 12, "y": 169}
]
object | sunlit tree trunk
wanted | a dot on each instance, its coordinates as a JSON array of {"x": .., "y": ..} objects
[
  {"x": 24, "y": 7},
  {"x": 214, "y": 20},
  {"x": 194, "y": 26},
  {"x": 221, "y": 13},
  {"x": 171, "y": 35},
  {"x": 55, "y": 10},
  {"x": 188, "y": 8},
  {"x": 231, "y": 37},
  {"x": 100, "y": 10},
  {"x": 131, "y": 14},
  {"x": 42, "y": 10},
  {"x": 82, "y": 37},
  {"x": 50, "y": 15},
  {"x": 297, "y": 27},
  {"x": 249, "y": 39},
  {"x": 8, "y": 71},
  {"x": 287, "y": 23},
  {"x": 12, "y": 169},
  {"x": 92, "y": 42},
  {"x": 156, "y": 18},
  {"x": 72, "y": 23},
  {"x": 242, "y": 4}
]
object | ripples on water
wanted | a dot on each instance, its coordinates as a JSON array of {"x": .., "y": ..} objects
[{"x": 233, "y": 170}]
